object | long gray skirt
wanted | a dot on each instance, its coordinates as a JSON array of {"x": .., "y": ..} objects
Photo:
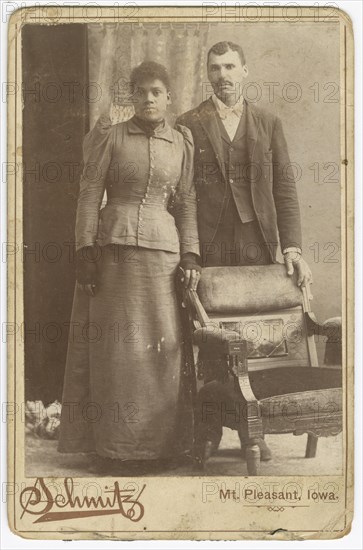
[{"x": 127, "y": 386}]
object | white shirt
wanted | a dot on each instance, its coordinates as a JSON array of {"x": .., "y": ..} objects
[{"x": 230, "y": 116}]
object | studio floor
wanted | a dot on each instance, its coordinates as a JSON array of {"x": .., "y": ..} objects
[{"x": 43, "y": 460}]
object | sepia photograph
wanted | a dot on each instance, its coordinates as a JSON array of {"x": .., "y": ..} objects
[{"x": 183, "y": 254}]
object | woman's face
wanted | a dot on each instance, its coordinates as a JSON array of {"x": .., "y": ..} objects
[{"x": 151, "y": 99}]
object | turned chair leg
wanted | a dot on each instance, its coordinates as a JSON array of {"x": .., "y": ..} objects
[
  {"x": 253, "y": 457},
  {"x": 311, "y": 445},
  {"x": 265, "y": 452}
]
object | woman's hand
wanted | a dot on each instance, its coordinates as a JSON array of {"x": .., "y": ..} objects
[
  {"x": 190, "y": 278},
  {"x": 86, "y": 269},
  {"x": 190, "y": 271}
]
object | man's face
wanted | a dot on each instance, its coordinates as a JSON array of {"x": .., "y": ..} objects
[
  {"x": 226, "y": 73},
  {"x": 150, "y": 100}
]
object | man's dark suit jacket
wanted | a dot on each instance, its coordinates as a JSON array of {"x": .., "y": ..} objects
[{"x": 269, "y": 173}]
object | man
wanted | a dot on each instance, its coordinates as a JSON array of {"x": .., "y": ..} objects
[
  {"x": 247, "y": 197},
  {"x": 247, "y": 200}
]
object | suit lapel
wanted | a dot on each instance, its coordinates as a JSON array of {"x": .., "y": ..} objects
[
  {"x": 208, "y": 119},
  {"x": 241, "y": 129},
  {"x": 253, "y": 126},
  {"x": 222, "y": 131}
]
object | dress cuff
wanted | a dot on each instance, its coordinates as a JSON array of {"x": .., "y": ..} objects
[
  {"x": 190, "y": 261},
  {"x": 189, "y": 247}
]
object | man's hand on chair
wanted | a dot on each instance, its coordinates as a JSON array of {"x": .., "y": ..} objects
[{"x": 294, "y": 260}]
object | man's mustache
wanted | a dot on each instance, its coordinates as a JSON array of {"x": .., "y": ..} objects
[{"x": 224, "y": 82}]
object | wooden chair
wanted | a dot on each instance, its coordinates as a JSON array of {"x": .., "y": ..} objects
[{"x": 257, "y": 356}]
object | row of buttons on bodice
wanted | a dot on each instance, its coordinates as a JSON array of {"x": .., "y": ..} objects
[{"x": 146, "y": 194}]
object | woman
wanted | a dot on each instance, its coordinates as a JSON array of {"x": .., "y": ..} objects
[{"x": 126, "y": 390}]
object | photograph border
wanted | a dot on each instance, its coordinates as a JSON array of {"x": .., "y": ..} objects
[{"x": 15, "y": 272}]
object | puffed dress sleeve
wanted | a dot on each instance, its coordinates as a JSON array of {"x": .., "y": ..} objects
[
  {"x": 185, "y": 203},
  {"x": 97, "y": 154}
]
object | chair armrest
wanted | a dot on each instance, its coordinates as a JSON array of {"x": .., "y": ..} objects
[
  {"x": 238, "y": 362},
  {"x": 200, "y": 317},
  {"x": 332, "y": 329}
]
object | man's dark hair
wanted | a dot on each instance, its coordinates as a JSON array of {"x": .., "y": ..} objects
[
  {"x": 150, "y": 70},
  {"x": 222, "y": 47}
]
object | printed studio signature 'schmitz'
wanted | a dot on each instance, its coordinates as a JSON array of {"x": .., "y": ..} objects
[{"x": 47, "y": 502}]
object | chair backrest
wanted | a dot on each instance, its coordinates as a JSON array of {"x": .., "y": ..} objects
[
  {"x": 266, "y": 307},
  {"x": 248, "y": 289}
]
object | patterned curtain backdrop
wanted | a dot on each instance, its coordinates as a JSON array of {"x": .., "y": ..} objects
[{"x": 114, "y": 49}]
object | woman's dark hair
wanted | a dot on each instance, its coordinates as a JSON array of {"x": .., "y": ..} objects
[
  {"x": 223, "y": 47},
  {"x": 150, "y": 70}
]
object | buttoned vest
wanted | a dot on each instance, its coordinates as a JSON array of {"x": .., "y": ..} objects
[{"x": 238, "y": 169}]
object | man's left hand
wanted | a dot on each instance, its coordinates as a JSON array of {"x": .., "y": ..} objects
[{"x": 294, "y": 260}]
